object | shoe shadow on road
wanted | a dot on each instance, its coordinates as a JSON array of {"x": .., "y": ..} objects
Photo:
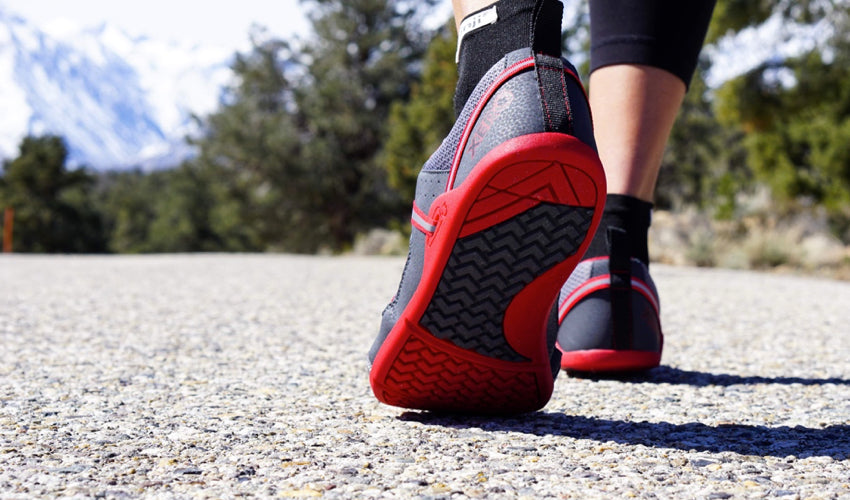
[
  {"x": 761, "y": 440},
  {"x": 801, "y": 442},
  {"x": 670, "y": 375}
]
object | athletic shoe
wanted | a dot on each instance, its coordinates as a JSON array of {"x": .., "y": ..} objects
[
  {"x": 609, "y": 315},
  {"x": 503, "y": 213}
]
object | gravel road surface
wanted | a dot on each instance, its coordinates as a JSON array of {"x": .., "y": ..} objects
[{"x": 223, "y": 376}]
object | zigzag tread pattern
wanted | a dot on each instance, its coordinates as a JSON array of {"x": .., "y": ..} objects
[
  {"x": 486, "y": 270},
  {"x": 426, "y": 378}
]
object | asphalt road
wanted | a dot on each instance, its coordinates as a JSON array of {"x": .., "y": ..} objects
[{"x": 223, "y": 376}]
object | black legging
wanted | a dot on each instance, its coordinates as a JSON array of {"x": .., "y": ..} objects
[{"x": 666, "y": 34}]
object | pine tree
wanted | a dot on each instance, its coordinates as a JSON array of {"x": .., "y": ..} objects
[
  {"x": 704, "y": 165},
  {"x": 418, "y": 126},
  {"x": 53, "y": 209},
  {"x": 352, "y": 82},
  {"x": 251, "y": 150},
  {"x": 298, "y": 139},
  {"x": 126, "y": 201},
  {"x": 796, "y": 115}
]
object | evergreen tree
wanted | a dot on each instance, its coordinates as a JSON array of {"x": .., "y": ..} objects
[
  {"x": 176, "y": 210},
  {"x": 704, "y": 165},
  {"x": 298, "y": 138},
  {"x": 126, "y": 200},
  {"x": 733, "y": 16},
  {"x": 251, "y": 149},
  {"x": 796, "y": 114},
  {"x": 418, "y": 126},
  {"x": 53, "y": 209},
  {"x": 351, "y": 83},
  {"x": 182, "y": 215}
]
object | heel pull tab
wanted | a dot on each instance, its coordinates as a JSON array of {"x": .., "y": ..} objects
[
  {"x": 545, "y": 32},
  {"x": 620, "y": 266},
  {"x": 554, "y": 96}
]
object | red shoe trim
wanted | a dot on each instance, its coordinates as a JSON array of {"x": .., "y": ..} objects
[
  {"x": 608, "y": 360},
  {"x": 587, "y": 288},
  {"x": 432, "y": 374},
  {"x": 479, "y": 108},
  {"x": 600, "y": 283},
  {"x": 506, "y": 75},
  {"x": 540, "y": 180}
]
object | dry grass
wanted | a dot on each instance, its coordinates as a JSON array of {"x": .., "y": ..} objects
[{"x": 800, "y": 243}]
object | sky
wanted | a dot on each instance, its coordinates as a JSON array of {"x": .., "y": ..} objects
[
  {"x": 217, "y": 24},
  {"x": 226, "y": 24}
]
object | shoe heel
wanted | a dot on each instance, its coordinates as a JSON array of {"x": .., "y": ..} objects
[{"x": 474, "y": 338}]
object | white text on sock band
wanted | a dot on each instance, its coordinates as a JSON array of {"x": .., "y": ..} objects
[{"x": 472, "y": 23}]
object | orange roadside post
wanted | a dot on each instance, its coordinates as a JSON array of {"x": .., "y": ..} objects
[{"x": 8, "y": 225}]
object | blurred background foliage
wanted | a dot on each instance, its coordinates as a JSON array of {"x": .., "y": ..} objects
[{"x": 316, "y": 143}]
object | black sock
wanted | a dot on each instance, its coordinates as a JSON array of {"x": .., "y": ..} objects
[
  {"x": 518, "y": 24},
  {"x": 628, "y": 214}
]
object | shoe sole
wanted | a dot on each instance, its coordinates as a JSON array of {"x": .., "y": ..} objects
[
  {"x": 609, "y": 361},
  {"x": 473, "y": 337}
]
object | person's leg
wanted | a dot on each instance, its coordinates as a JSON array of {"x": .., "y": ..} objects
[
  {"x": 634, "y": 107},
  {"x": 642, "y": 60},
  {"x": 503, "y": 212}
]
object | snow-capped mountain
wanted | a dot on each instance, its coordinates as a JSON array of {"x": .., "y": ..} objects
[{"x": 118, "y": 101}]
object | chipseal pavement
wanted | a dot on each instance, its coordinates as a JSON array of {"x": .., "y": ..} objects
[{"x": 221, "y": 376}]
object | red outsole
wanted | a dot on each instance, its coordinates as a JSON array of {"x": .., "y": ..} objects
[
  {"x": 414, "y": 369},
  {"x": 609, "y": 360}
]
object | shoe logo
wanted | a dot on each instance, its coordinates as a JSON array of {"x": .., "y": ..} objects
[
  {"x": 501, "y": 101},
  {"x": 438, "y": 213}
]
